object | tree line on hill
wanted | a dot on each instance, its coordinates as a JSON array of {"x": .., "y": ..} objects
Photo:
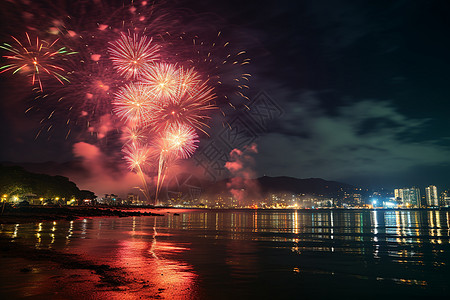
[{"x": 16, "y": 181}]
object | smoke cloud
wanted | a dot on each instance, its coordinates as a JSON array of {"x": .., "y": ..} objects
[
  {"x": 102, "y": 175},
  {"x": 242, "y": 185}
]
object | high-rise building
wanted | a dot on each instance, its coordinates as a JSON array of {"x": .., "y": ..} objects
[
  {"x": 445, "y": 198},
  {"x": 432, "y": 196},
  {"x": 414, "y": 196},
  {"x": 398, "y": 194},
  {"x": 408, "y": 196}
]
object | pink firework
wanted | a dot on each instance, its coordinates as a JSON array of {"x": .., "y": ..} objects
[
  {"x": 189, "y": 81},
  {"x": 134, "y": 103},
  {"x": 191, "y": 109},
  {"x": 181, "y": 140},
  {"x": 35, "y": 59},
  {"x": 136, "y": 156},
  {"x": 177, "y": 142},
  {"x": 132, "y": 55},
  {"x": 163, "y": 80},
  {"x": 134, "y": 134}
]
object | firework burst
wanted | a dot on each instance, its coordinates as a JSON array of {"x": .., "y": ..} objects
[
  {"x": 190, "y": 108},
  {"x": 181, "y": 141},
  {"x": 134, "y": 103},
  {"x": 189, "y": 81},
  {"x": 136, "y": 156},
  {"x": 35, "y": 59},
  {"x": 163, "y": 80},
  {"x": 134, "y": 134},
  {"x": 133, "y": 55}
]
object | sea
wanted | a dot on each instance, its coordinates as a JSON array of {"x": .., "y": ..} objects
[{"x": 232, "y": 254}]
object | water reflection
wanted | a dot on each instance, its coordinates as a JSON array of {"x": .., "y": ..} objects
[
  {"x": 172, "y": 256},
  {"x": 399, "y": 227},
  {"x": 380, "y": 232},
  {"x": 396, "y": 226},
  {"x": 69, "y": 233},
  {"x": 143, "y": 256}
]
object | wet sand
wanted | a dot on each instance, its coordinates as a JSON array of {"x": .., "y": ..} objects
[
  {"x": 28, "y": 272},
  {"x": 43, "y": 273}
]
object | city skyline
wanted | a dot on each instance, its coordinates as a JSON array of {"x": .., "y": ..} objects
[{"x": 18, "y": 185}]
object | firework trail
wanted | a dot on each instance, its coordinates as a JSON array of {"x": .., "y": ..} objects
[
  {"x": 177, "y": 142},
  {"x": 138, "y": 159}
]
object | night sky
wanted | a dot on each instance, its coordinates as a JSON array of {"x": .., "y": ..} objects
[{"x": 363, "y": 86}]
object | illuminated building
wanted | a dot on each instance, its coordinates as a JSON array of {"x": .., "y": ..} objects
[
  {"x": 445, "y": 198},
  {"x": 432, "y": 196},
  {"x": 133, "y": 199},
  {"x": 409, "y": 197}
]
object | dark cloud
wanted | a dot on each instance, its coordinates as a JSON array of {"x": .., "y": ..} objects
[{"x": 336, "y": 147}]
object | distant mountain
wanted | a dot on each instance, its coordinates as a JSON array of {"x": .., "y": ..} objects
[
  {"x": 50, "y": 167},
  {"x": 305, "y": 186},
  {"x": 284, "y": 184}
]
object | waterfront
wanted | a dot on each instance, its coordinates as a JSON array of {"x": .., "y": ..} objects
[{"x": 239, "y": 254}]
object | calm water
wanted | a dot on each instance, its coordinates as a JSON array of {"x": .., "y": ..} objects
[{"x": 242, "y": 254}]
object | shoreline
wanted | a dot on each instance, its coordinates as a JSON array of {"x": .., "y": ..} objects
[
  {"x": 31, "y": 214},
  {"x": 59, "y": 271}
]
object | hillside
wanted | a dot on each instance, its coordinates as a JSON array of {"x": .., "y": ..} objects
[
  {"x": 15, "y": 180},
  {"x": 286, "y": 185}
]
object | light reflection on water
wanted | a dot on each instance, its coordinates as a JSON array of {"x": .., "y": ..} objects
[{"x": 188, "y": 255}]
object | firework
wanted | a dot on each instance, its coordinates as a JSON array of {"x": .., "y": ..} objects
[
  {"x": 134, "y": 134},
  {"x": 177, "y": 142},
  {"x": 192, "y": 109},
  {"x": 132, "y": 55},
  {"x": 148, "y": 77},
  {"x": 219, "y": 60},
  {"x": 180, "y": 141},
  {"x": 189, "y": 81},
  {"x": 163, "y": 80},
  {"x": 88, "y": 96},
  {"x": 137, "y": 158},
  {"x": 35, "y": 59},
  {"x": 134, "y": 103}
]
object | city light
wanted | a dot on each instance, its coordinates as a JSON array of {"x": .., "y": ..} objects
[{"x": 389, "y": 204}]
